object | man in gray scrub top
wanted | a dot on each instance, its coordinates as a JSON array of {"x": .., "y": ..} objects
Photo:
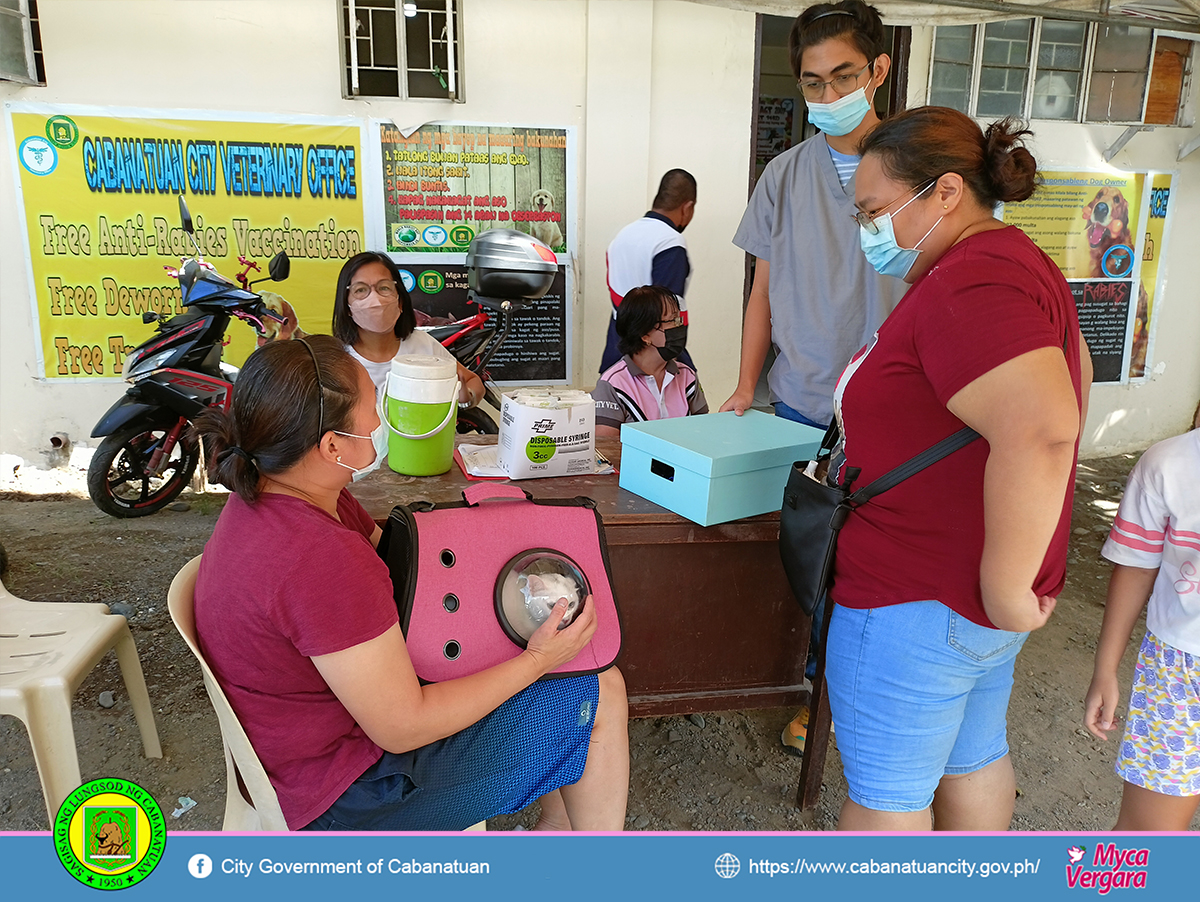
[{"x": 815, "y": 298}]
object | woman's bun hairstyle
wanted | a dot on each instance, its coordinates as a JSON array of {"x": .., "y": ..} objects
[
  {"x": 276, "y": 416},
  {"x": 923, "y": 144},
  {"x": 1011, "y": 167},
  {"x": 850, "y": 20}
]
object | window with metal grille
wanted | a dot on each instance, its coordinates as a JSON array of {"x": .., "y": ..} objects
[
  {"x": 410, "y": 49},
  {"x": 1078, "y": 71},
  {"x": 21, "y": 43}
]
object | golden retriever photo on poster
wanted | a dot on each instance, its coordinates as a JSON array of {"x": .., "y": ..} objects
[{"x": 1107, "y": 217}]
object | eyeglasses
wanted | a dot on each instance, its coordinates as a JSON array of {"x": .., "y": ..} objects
[
  {"x": 867, "y": 220},
  {"x": 672, "y": 323},
  {"x": 386, "y": 289},
  {"x": 842, "y": 84}
]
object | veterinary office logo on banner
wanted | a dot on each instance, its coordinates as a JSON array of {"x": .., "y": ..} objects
[
  {"x": 1105, "y": 232},
  {"x": 99, "y": 192}
]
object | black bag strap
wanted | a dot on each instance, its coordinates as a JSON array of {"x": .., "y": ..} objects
[
  {"x": 915, "y": 465},
  {"x": 829, "y": 442}
]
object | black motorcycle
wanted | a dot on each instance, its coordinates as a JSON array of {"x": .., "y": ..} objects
[{"x": 150, "y": 448}]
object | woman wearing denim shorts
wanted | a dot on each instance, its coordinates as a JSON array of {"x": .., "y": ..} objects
[{"x": 939, "y": 580}]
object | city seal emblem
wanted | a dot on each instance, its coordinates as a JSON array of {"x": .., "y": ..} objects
[{"x": 110, "y": 834}]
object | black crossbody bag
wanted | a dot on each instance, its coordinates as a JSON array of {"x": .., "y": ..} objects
[{"x": 813, "y": 513}]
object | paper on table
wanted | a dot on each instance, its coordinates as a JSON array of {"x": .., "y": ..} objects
[{"x": 483, "y": 460}]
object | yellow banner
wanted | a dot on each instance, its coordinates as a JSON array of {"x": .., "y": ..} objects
[
  {"x": 1156, "y": 220},
  {"x": 100, "y": 197}
]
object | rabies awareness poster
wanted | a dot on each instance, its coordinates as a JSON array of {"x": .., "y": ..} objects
[
  {"x": 445, "y": 183},
  {"x": 1106, "y": 232}
]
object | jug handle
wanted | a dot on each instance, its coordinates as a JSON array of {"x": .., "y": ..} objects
[{"x": 450, "y": 415}]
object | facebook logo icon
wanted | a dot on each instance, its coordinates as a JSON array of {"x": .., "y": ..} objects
[{"x": 200, "y": 866}]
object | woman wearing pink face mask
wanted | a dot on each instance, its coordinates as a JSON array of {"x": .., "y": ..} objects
[{"x": 373, "y": 317}]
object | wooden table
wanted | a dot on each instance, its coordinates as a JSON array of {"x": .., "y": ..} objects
[{"x": 709, "y": 621}]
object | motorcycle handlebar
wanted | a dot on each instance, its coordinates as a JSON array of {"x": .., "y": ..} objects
[{"x": 261, "y": 309}]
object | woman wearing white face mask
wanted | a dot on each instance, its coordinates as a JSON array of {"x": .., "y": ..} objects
[
  {"x": 373, "y": 316},
  {"x": 296, "y": 616},
  {"x": 938, "y": 581}
]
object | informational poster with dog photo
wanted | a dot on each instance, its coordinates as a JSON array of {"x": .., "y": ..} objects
[
  {"x": 1106, "y": 232},
  {"x": 535, "y": 351},
  {"x": 444, "y": 184}
]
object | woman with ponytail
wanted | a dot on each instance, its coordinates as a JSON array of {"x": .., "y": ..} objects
[
  {"x": 295, "y": 614},
  {"x": 939, "y": 580}
]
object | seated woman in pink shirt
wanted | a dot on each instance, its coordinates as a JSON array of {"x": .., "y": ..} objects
[{"x": 648, "y": 382}]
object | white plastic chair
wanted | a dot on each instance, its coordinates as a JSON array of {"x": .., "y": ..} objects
[
  {"x": 250, "y": 799},
  {"x": 46, "y": 650},
  {"x": 244, "y": 772}
]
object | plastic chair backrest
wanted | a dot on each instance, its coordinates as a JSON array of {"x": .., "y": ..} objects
[{"x": 244, "y": 772}]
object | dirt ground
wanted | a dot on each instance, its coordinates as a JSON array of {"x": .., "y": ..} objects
[{"x": 722, "y": 771}]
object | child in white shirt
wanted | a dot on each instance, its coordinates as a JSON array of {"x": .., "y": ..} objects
[{"x": 1155, "y": 546}]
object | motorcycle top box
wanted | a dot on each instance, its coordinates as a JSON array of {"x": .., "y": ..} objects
[{"x": 505, "y": 263}]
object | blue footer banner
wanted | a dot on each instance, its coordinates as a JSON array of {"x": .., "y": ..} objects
[{"x": 114, "y": 849}]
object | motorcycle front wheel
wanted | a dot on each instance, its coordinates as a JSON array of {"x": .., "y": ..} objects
[
  {"x": 117, "y": 477},
  {"x": 472, "y": 420}
]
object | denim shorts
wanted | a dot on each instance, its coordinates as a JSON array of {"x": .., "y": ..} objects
[
  {"x": 917, "y": 692},
  {"x": 534, "y": 743}
]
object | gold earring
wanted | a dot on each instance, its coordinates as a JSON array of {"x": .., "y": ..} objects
[{"x": 945, "y": 207}]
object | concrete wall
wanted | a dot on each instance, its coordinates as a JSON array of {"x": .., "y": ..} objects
[
  {"x": 1129, "y": 417},
  {"x": 649, "y": 84}
]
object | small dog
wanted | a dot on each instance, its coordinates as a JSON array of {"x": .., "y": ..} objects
[
  {"x": 276, "y": 331},
  {"x": 1107, "y": 225},
  {"x": 545, "y": 231}
]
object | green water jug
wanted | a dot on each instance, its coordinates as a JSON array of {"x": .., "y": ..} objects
[{"x": 419, "y": 404}]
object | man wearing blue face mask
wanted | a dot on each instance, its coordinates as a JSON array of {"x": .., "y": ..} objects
[{"x": 815, "y": 298}]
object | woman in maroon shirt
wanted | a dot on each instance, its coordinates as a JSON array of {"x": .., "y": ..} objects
[
  {"x": 295, "y": 615},
  {"x": 939, "y": 580}
]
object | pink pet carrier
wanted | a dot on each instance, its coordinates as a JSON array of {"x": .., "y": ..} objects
[{"x": 473, "y": 579}]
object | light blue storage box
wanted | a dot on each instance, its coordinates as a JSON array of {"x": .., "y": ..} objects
[{"x": 716, "y": 467}]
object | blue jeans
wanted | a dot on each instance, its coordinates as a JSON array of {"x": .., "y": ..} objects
[
  {"x": 790, "y": 413},
  {"x": 814, "y": 639},
  {"x": 917, "y": 692}
]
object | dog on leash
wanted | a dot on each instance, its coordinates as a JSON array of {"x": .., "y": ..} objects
[
  {"x": 1107, "y": 219},
  {"x": 276, "y": 331},
  {"x": 545, "y": 231}
]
